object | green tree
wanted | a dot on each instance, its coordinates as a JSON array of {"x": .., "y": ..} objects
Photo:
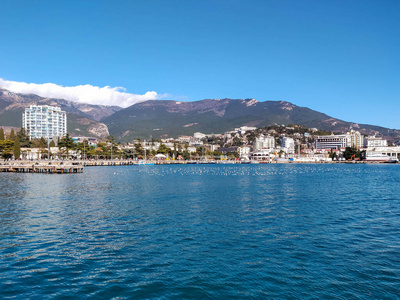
[
  {"x": 352, "y": 153},
  {"x": 186, "y": 155},
  {"x": 67, "y": 143},
  {"x": 128, "y": 153},
  {"x": 2, "y": 137},
  {"x": 139, "y": 150},
  {"x": 333, "y": 155},
  {"x": 12, "y": 135},
  {"x": 24, "y": 138},
  {"x": 42, "y": 143},
  {"x": 236, "y": 141},
  {"x": 6, "y": 147},
  {"x": 52, "y": 144},
  {"x": 162, "y": 149},
  {"x": 113, "y": 147},
  {"x": 17, "y": 148}
]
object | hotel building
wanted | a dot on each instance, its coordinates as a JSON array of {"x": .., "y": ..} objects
[
  {"x": 264, "y": 142},
  {"x": 288, "y": 144},
  {"x": 44, "y": 121},
  {"x": 374, "y": 142},
  {"x": 350, "y": 139}
]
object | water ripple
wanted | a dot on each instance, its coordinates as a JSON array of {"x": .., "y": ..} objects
[{"x": 217, "y": 231}]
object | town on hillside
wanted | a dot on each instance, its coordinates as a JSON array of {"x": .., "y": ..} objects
[{"x": 44, "y": 135}]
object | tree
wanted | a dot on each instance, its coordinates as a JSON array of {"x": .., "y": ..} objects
[
  {"x": 12, "y": 135},
  {"x": 139, "y": 150},
  {"x": 186, "y": 155},
  {"x": 52, "y": 144},
  {"x": 2, "y": 134},
  {"x": 66, "y": 142},
  {"x": 6, "y": 147},
  {"x": 351, "y": 153},
  {"x": 24, "y": 138},
  {"x": 113, "y": 146},
  {"x": 42, "y": 143},
  {"x": 236, "y": 141},
  {"x": 128, "y": 153},
  {"x": 17, "y": 148},
  {"x": 333, "y": 155}
]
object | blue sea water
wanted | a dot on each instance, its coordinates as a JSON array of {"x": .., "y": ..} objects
[{"x": 279, "y": 231}]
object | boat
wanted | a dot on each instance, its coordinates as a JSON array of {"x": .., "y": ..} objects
[
  {"x": 207, "y": 162},
  {"x": 145, "y": 163},
  {"x": 379, "y": 157},
  {"x": 392, "y": 160}
]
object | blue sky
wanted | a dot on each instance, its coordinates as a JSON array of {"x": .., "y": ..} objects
[{"x": 337, "y": 57}]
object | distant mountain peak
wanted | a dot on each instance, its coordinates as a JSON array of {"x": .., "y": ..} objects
[{"x": 169, "y": 118}]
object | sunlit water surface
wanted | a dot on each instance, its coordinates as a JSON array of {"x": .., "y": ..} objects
[{"x": 202, "y": 231}]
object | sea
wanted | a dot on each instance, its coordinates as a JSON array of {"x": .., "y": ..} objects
[{"x": 273, "y": 231}]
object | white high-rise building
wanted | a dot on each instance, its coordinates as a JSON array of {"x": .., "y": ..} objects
[
  {"x": 44, "y": 121},
  {"x": 264, "y": 142},
  {"x": 288, "y": 144}
]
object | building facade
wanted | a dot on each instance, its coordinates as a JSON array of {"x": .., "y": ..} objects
[
  {"x": 288, "y": 144},
  {"x": 44, "y": 121},
  {"x": 373, "y": 142},
  {"x": 264, "y": 142},
  {"x": 350, "y": 139}
]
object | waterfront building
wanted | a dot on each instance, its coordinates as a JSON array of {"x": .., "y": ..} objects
[
  {"x": 44, "y": 121},
  {"x": 244, "y": 152},
  {"x": 287, "y": 144},
  {"x": 264, "y": 142},
  {"x": 374, "y": 142},
  {"x": 350, "y": 139},
  {"x": 390, "y": 151},
  {"x": 263, "y": 155},
  {"x": 356, "y": 139},
  {"x": 331, "y": 141}
]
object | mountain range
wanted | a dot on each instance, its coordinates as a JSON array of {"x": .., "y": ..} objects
[
  {"x": 169, "y": 118},
  {"x": 82, "y": 119}
]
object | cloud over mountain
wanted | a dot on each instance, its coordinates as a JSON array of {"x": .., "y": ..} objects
[{"x": 82, "y": 93}]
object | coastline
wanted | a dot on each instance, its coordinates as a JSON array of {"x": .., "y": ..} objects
[{"x": 77, "y": 166}]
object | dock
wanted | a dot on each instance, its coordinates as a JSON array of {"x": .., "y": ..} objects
[{"x": 41, "y": 168}]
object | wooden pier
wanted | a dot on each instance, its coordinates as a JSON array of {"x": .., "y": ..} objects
[{"x": 40, "y": 168}]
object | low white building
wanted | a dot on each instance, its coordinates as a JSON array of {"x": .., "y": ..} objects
[
  {"x": 390, "y": 151},
  {"x": 373, "y": 142},
  {"x": 244, "y": 152},
  {"x": 264, "y": 155},
  {"x": 244, "y": 129},
  {"x": 199, "y": 135}
]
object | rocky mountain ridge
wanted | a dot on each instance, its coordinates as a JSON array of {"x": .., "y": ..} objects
[
  {"x": 83, "y": 119},
  {"x": 170, "y": 118}
]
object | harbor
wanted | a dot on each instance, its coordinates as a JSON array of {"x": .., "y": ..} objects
[{"x": 77, "y": 166}]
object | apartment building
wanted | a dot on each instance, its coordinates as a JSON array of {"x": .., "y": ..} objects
[{"x": 44, "y": 121}]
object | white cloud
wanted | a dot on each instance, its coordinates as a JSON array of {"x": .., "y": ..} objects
[{"x": 82, "y": 93}]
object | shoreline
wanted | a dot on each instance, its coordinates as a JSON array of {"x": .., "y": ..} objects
[{"x": 124, "y": 162}]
